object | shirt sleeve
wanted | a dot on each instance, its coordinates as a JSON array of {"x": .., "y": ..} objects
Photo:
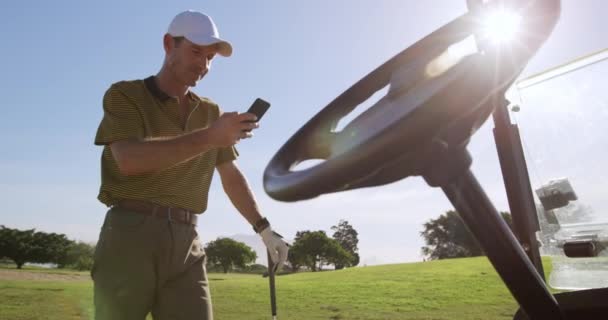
[
  {"x": 226, "y": 155},
  {"x": 121, "y": 119}
]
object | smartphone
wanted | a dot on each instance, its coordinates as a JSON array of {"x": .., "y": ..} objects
[{"x": 259, "y": 107}]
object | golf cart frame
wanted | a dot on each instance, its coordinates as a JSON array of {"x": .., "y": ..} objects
[{"x": 422, "y": 128}]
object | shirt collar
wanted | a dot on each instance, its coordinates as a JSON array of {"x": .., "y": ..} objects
[
  {"x": 161, "y": 95},
  {"x": 155, "y": 90}
]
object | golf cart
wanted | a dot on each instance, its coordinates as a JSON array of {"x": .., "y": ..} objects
[{"x": 440, "y": 91}]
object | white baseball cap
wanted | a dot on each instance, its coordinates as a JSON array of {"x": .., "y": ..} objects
[{"x": 199, "y": 29}]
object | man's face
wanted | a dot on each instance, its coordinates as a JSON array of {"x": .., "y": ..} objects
[{"x": 189, "y": 62}]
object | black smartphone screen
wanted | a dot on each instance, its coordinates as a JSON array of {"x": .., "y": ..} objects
[{"x": 259, "y": 107}]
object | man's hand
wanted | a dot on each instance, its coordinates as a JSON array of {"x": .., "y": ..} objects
[
  {"x": 276, "y": 246},
  {"x": 231, "y": 127}
]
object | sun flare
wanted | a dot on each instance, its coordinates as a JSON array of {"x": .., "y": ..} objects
[{"x": 501, "y": 26}]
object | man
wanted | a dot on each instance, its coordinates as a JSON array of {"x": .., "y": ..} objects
[{"x": 161, "y": 144}]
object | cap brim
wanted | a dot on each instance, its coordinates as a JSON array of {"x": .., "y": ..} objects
[{"x": 224, "y": 47}]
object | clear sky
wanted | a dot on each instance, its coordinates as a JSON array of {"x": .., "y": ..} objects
[{"x": 59, "y": 57}]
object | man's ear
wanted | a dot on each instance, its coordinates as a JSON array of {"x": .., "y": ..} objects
[{"x": 168, "y": 43}]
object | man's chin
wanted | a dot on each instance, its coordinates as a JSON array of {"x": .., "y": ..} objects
[{"x": 192, "y": 82}]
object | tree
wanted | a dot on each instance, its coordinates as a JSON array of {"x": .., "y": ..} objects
[
  {"x": 51, "y": 248},
  {"x": 228, "y": 253},
  {"x": 346, "y": 236},
  {"x": 336, "y": 255},
  {"x": 448, "y": 237},
  {"x": 23, "y": 246},
  {"x": 79, "y": 256},
  {"x": 17, "y": 245},
  {"x": 314, "y": 248},
  {"x": 297, "y": 256}
]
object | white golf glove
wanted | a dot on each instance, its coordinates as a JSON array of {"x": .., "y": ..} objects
[{"x": 276, "y": 246}]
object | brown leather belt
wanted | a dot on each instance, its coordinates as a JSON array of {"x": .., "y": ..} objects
[{"x": 163, "y": 212}]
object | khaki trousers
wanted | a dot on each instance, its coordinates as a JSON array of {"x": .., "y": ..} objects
[{"x": 146, "y": 264}]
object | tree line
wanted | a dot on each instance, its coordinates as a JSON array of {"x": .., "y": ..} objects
[
  {"x": 22, "y": 246},
  {"x": 445, "y": 237},
  {"x": 310, "y": 250}
]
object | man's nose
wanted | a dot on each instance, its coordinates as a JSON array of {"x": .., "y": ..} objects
[
  {"x": 204, "y": 65},
  {"x": 205, "y": 62}
]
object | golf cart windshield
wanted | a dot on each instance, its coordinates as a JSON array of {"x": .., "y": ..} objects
[{"x": 562, "y": 115}]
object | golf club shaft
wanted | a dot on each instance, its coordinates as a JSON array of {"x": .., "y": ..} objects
[{"x": 273, "y": 297}]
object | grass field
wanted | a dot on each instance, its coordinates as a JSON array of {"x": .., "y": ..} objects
[{"x": 448, "y": 289}]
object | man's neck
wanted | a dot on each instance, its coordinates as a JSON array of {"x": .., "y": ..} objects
[{"x": 167, "y": 84}]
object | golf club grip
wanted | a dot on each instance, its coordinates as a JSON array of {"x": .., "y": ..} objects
[{"x": 273, "y": 297}]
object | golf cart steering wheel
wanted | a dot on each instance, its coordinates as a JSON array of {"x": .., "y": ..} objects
[{"x": 436, "y": 93}]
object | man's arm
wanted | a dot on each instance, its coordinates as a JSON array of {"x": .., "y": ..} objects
[
  {"x": 238, "y": 190},
  {"x": 136, "y": 156}
]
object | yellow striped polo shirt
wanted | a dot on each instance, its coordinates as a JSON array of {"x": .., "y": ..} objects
[{"x": 139, "y": 109}]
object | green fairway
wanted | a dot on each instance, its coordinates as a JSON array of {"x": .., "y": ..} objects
[
  {"x": 36, "y": 300},
  {"x": 447, "y": 289}
]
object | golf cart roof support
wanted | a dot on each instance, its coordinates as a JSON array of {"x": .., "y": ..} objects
[{"x": 517, "y": 183}]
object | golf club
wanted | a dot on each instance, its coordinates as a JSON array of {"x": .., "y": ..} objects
[{"x": 273, "y": 297}]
